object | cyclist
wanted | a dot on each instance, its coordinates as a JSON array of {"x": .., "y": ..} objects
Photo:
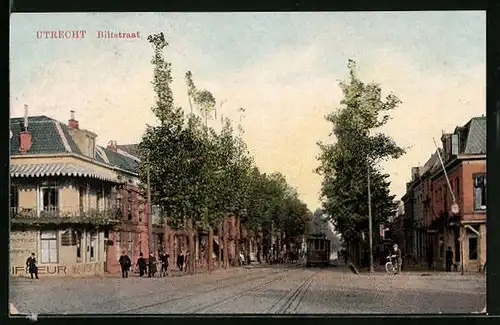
[{"x": 396, "y": 255}]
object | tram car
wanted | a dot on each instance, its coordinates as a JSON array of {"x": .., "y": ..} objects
[{"x": 318, "y": 250}]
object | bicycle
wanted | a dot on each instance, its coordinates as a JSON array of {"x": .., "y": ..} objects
[{"x": 389, "y": 266}]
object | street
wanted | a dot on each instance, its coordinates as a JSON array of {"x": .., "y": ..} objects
[{"x": 282, "y": 289}]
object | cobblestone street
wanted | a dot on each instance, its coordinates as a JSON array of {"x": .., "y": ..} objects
[{"x": 270, "y": 289}]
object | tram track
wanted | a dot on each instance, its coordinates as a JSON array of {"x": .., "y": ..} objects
[
  {"x": 241, "y": 293},
  {"x": 196, "y": 293},
  {"x": 149, "y": 294},
  {"x": 292, "y": 299}
]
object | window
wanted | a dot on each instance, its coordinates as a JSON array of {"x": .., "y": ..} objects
[
  {"x": 118, "y": 244},
  {"x": 14, "y": 198},
  {"x": 159, "y": 242},
  {"x": 92, "y": 249},
  {"x": 129, "y": 205},
  {"x": 78, "y": 246},
  {"x": 480, "y": 192},
  {"x": 140, "y": 208},
  {"x": 130, "y": 243},
  {"x": 156, "y": 215},
  {"x": 457, "y": 187},
  {"x": 118, "y": 204},
  {"x": 99, "y": 199},
  {"x": 68, "y": 238},
  {"x": 81, "y": 195},
  {"x": 48, "y": 247},
  {"x": 473, "y": 248},
  {"x": 91, "y": 148},
  {"x": 50, "y": 199}
]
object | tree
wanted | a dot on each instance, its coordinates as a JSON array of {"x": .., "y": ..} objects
[
  {"x": 203, "y": 98},
  {"x": 344, "y": 164},
  {"x": 161, "y": 146},
  {"x": 199, "y": 175}
]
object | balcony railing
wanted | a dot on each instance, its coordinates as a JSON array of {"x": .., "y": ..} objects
[{"x": 65, "y": 212}]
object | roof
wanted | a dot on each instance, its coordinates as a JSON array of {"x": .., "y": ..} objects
[
  {"x": 49, "y": 136},
  {"x": 132, "y": 149},
  {"x": 56, "y": 169},
  {"x": 432, "y": 163},
  {"x": 476, "y": 138},
  {"x": 119, "y": 160}
]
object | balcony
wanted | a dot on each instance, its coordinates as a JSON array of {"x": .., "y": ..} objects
[{"x": 65, "y": 215}]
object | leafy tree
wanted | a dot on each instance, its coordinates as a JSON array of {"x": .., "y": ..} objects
[
  {"x": 345, "y": 164},
  {"x": 203, "y": 98},
  {"x": 161, "y": 145},
  {"x": 198, "y": 173}
]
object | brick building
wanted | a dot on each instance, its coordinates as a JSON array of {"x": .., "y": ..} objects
[
  {"x": 464, "y": 159},
  {"x": 173, "y": 241}
]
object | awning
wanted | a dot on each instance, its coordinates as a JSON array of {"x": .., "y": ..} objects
[{"x": 58, "y": 169}]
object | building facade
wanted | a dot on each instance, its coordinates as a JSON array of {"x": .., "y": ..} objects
[
  {"x": 173, "y": 241},
  {"x": 460, "y": 180},
  {"x": 67, "y": 198}
]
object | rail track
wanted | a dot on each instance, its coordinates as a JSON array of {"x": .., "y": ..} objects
[
  {"x": 163, "y": 301},
  {"x": 289, "y": 303}
]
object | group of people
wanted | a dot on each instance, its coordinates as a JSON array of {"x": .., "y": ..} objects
[
  {"x": 146, "y": 266},
  {"x": 149, "y": 265}
]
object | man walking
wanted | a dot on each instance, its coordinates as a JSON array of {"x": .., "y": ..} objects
[
  {"x": 125, "y": 264},
  {"x": 449, "y": 259},
  {"x": 180, "y": 261},
  {"x": 141, "y": 263},
  {"x": 151, "y": 266},
  {"x": 31, "y": 266},
  {"x": 164, "y": 264}
]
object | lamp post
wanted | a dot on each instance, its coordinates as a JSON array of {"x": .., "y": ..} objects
[
  {"x": 370, "y": 231},
  {"x": 150, "y": 216},
  {"x": 370, "y": 225}
]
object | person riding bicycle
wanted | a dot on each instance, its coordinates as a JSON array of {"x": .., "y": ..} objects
[{"x": 396, "y": 255}]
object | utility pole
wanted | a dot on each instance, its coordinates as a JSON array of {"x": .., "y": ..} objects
[
  {"x": 150, "y": 215},
  {"x": 455, "y": 210},
  {"x": 370, "y": 232}
]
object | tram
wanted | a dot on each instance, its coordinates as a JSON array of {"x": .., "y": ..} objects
[{"x": 318, "y": 250}]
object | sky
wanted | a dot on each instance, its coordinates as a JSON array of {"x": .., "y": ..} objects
[{"x": 283, "y": 68}]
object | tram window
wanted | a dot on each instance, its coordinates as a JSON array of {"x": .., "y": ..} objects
[
  {"x": 309, "y": 245},
  {"x": 321, "y": 245}
]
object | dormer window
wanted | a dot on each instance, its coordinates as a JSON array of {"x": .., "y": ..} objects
[{"x": 91, "y": 149}]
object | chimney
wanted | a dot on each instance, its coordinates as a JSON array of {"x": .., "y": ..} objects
[
  {"x": 25, "y": 136},
  {"x": 72, "y": 122},
  {"x": 112, "y": 145}
]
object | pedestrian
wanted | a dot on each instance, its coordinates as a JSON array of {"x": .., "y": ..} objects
[
  {"x": 396, "y": 254},
  {"x": 430, "y": 256},
  {"x": 180, "y": 261},
  {"x": 151, "y": 266},
  {"x": 141, "y": 263},
  {"x": 125, "y": 264},
  {"x": 31, "y": 266},
  {"x": 449, "y": 259},
  {"x": 164, "y": 264}
]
